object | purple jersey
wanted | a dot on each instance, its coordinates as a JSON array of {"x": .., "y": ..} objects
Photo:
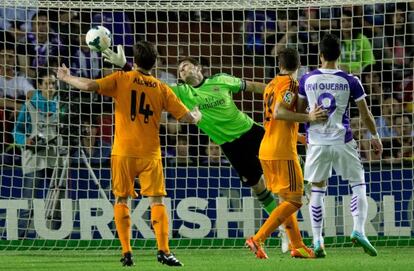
[
  {"x": 46, "y": 54},
  {"x": 85, "y": 63},
  {"x": 332, "y": 89}
]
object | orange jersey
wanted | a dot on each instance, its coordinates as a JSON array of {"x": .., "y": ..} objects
[
  {"x": 279, "y": 141},
  {"x": 139, "y": 101}
]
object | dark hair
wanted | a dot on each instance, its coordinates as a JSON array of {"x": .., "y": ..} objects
[
  {"x": 404, "y": 115},
  {"x": 7, "y": 41},
  {"x": 356, "y": 22},
  {"x": 371, "y": 69},
  {"x": 330, "y": 47},
  {"x": 289, "y": 59},
  {"x": 6, "y": 46},
  {"x": 145, "y": 55},
  {"x": 192, "y": 60},
  {"x": 42, "y": 13},
  {"x": 90, "y": 118},
  {"x": 182, "y": 139},
  {"x": 347, "y": 13},
  {"x": 42, "y": 73},
  {"x": 204, "y": 61}
]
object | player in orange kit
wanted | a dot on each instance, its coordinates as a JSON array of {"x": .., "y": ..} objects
[
  {"x": 278, "y": 155},
  {"x": 139, "y": 100}
]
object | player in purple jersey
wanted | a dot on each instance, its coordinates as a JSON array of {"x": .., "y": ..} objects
[{"x": 330, "y": 143}]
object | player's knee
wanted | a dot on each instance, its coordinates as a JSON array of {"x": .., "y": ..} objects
[
  {"x": 155, "y": 200},
  {"x": 297, "y": 202},
  {"x": 259, "y": 187},
  {"x": 293, "y": 199},
  {"x": 121, "y": 200},
  {"x": 359, "y": 187},
  {"x": 320, "y": 184},
  {"x": 251, "y": 179}
]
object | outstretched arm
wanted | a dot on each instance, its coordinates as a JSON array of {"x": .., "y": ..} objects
[
  {"x": 81, "y": 83},
  {"x": 255, "y": 87},
  {"x": 193, "y": 116},
  {"x": 282, "y": 113}
]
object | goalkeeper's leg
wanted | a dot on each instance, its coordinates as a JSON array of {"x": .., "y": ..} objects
[{"x": 264, "y": 196}]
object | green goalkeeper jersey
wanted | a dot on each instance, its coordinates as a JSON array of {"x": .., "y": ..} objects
[{"x": 222, "y": 121}]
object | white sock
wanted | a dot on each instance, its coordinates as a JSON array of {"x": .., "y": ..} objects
[
  {"x": 359, "y": 207},
  {"x": 317, "y": 212}
]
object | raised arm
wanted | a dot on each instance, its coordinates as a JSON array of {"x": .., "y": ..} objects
[
  {"x": 118, "y": 59},
  {"x": 81, "y": 83}
]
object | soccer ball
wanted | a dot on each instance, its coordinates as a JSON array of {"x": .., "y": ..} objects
[{"x": 98, "y": 38}]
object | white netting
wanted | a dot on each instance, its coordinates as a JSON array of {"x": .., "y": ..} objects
[
  {"x": 188, "y": 4},
  {"x": 206, "y": 201}
]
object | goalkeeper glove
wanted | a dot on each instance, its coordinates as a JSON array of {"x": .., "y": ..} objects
[
  {"x": 117, "y": 59},
  {"x": 196, "y": 114}
]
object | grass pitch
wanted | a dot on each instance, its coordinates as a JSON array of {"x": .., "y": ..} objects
[{"x": 341, "y": 259}]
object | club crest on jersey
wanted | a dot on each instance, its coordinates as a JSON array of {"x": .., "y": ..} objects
[{"x": 288, "y": 97}]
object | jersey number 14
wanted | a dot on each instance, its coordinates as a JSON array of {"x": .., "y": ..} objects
[{"x": 144, "y": 109}]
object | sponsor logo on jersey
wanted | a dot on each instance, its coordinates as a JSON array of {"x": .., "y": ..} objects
[{"x": 212, "y": 104}]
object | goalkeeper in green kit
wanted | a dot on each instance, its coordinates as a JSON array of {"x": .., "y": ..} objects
[{"x": 237, "y": 134}]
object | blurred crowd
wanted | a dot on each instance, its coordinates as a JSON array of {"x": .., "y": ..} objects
[{"x": 377, "y": 46}]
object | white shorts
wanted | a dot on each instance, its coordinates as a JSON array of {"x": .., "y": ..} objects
[{"x": 344, "y": 159}]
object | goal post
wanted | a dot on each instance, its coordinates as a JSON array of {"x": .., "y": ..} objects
[{"x": 69, "y": 206}]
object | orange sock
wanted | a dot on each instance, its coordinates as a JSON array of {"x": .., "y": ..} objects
[
  {"x": 159, "y": 222},
  {"x": 123, "y": 225},
  {"x": 277, "y": 217},
  {"x": 292, "y": 230}
]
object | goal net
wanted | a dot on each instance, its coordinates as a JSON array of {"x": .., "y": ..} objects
[{"x": 55, "y": 184}]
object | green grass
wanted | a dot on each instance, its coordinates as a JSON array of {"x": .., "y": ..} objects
[{"x": 347, "y": 259}]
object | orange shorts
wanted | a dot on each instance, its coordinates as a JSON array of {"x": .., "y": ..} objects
[
  {"x": 283, "y": 177},
  {"x": 149, "y": 172}
]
